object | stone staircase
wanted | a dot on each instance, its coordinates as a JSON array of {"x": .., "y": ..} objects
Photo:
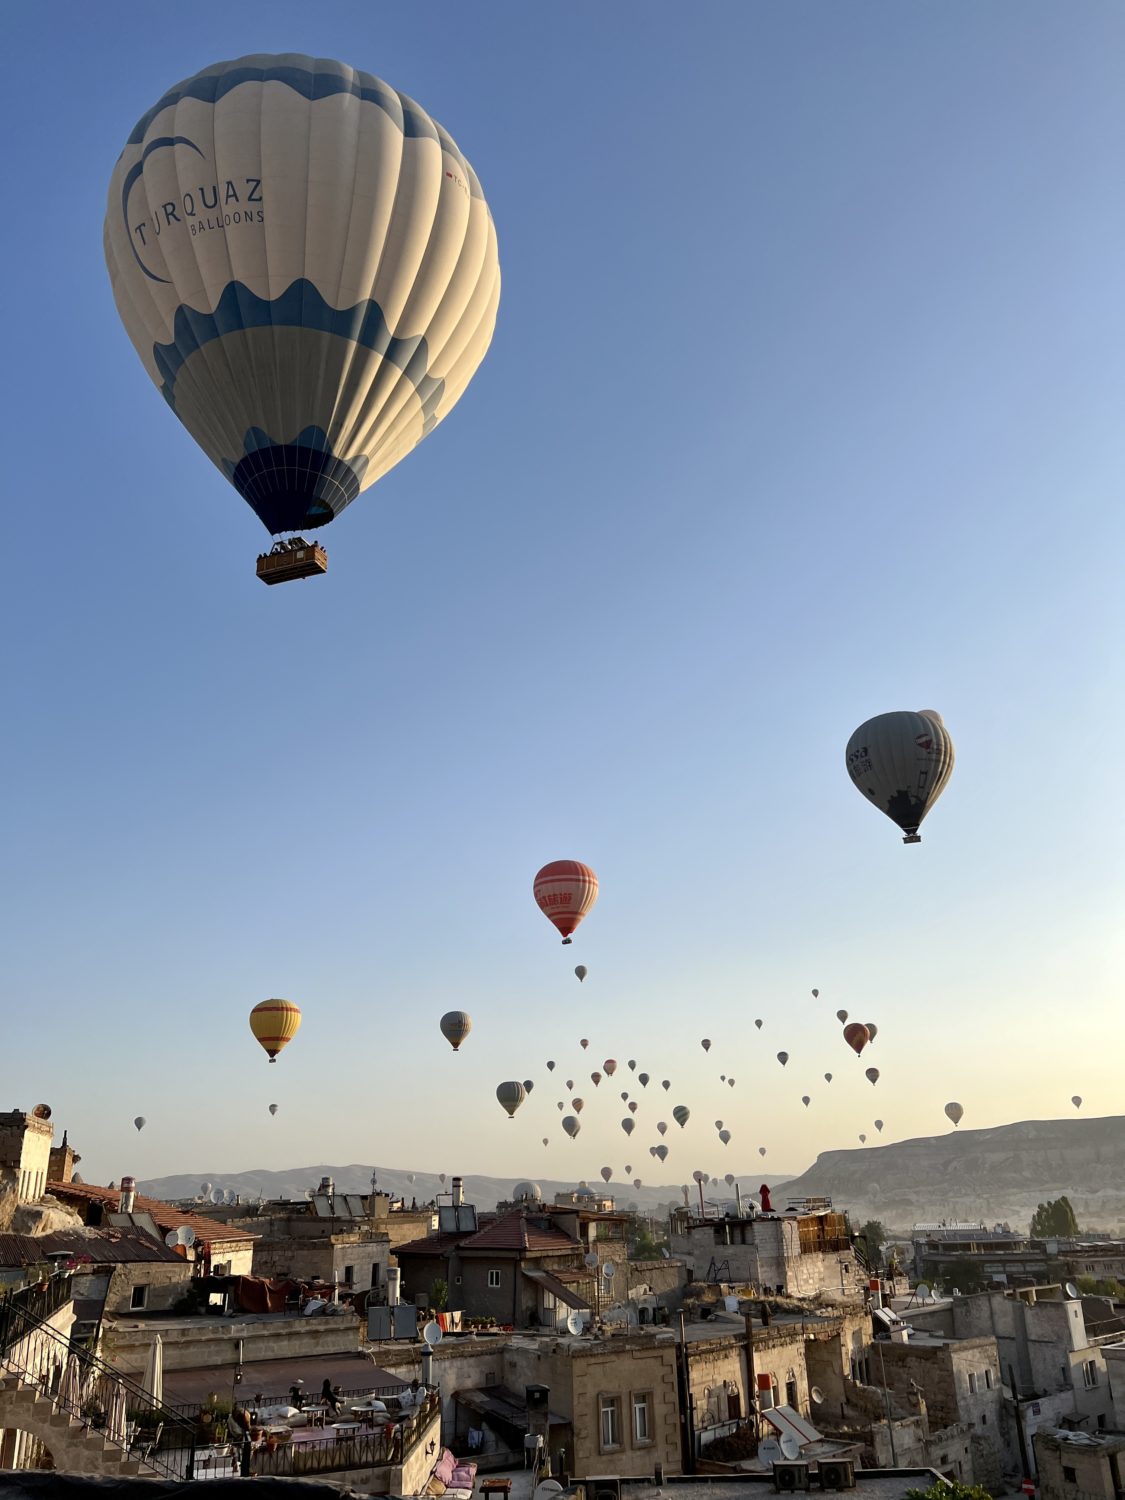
[{"x": 73, "y": 1444}]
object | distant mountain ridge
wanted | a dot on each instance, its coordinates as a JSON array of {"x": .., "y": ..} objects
[{"x": 994, "y": 1175}]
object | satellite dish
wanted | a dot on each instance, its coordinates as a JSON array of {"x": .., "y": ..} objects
[
  {"x": 924, "y": 1293},
  {"x": 770, "y": 1451},
  {"x": 608, "y": 1270},
  {"x": 956, "y": 1292},
  {"x": 172, "y": 1238},
  {"x": 1070, "y": 1289},
  {"x": 185, "y": 1235},
  {"x": 590, "y": 1259},
  {"x": 548, "y": 1488},
  {"x": 432, "y": 1335},
  {"x": 574, "y": 1323},
  {"x": 817, "y": 1395},
  {"x": 231, "y": 1195},
  {"x": 217, "y": 1195},
  {"x": 790, "y": 1447}
]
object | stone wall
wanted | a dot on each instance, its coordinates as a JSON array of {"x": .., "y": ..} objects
[
  {"x": 196, "y": 1342},
  {"x": 319, "y": 1251},
  {"x": 665, "y": 1280},
  {"x": 645, "y": 1368},
  {"x": 164, "y": 1283},
  {"x": 717, "y": 1379},
  {"x": 25, "y": 1153},
  {"x": 1098, "y": 1473}
]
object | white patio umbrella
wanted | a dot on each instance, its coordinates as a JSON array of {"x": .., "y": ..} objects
[
  {"x": 115, "y": 1426},
  {"x": 152, "y": 1382},
  {"x": 70, "y": 1386}
]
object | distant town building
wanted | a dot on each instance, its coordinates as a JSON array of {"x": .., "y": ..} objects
[{"x": 795, "y": 1255}]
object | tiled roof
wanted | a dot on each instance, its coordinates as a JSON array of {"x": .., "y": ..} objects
[
  {"x": 432, "y": 1244},
  {"x": 104, "y": 1247},
  {"x": 516, "y": 1231},
  {"x": 164, "y": 1215}
]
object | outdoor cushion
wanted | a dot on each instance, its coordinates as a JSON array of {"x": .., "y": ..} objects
[{"x": 444, "y": 1467}]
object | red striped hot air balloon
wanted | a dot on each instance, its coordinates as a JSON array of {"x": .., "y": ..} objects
[
  {"x": 565, "y": 890},
  {"x": 275, "y": 1023}
]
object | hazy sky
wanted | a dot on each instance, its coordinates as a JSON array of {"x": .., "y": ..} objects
[{"x": 804, "y": 404}]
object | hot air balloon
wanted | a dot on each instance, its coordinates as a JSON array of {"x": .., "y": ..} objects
[
  {"x": 578, "y": 1105},
  {"x": 872, "y": 1075},
  {"x": 783, "y": 1058},
  {"x": 441, "y": 1178},
  {"x": 140, "y": 1122},
  {"x": 761, "y": 1151},
  {"x": 662, "y": 1152},
  {"x": 828, "y": 1077},
  {"x": 879, "y": 1126},
  {"x": 596, "y": 1078},
  {"x": 610, "y": 1067},
  {"x": 273, "y": 1109},
  {"x": 1076, "y": 1100},
  {"x": 706, "y": 1044},
  {"x": 561, "y": 1106},
  {"x": 315, "y": 325},
  {"x": 841, "y": 1016},
  {"x": 666, "y": 1084},
  {"x": 642, "y": 1079},
  {"x": 681, "y": 1114},
  {"x": 510, "y": 1096},
  {"x": 805, "y": 1100},
  {"x": 862, "y": 1139},
  {"x": 872, "y": 1029},
  {"x": 628, "y": 1125},
  {"x": 275, "y": 1023},
  {"x": 632, "y": 1106},
  {"x": 205, "y": 1189},
  {"x": 901, "y": 762},
  {"x": 724, "y": 1136},
  {"x": 954, "y": 1112},
  {"x": 729, "y": 1179},
  {"x": 652, "y": 1150},
  {"x": 455, "y": 1026},
  {"x": 528, "y": 1085},
  {"x": 730, "y": 1083},
  {"x": 584, "y": 1042},
  {"x": 662, "y": 1126},
  {"x": 545, "y": 1141},
  {"x": 632, "y": 1065},
  {"x": 624, "y": 1095},
  {"x": 607, "y": 1173},
  {"x": 581, "y": 971},
  {"x": 718, "y": 1124},
  {"x": 722, "y": 1078},
  {"x": 856, "y": 1036},
  {"x": 571, "y": 1126},
  {"x": 758, "y": 1024},
  {"x": 700, "y": 1177},
  {"x": 570, "y": 1083},
  {"x": 636, "y": 1182},
  {"x": 565, "y": 891},
  {"x": 550, "y": 1067}
]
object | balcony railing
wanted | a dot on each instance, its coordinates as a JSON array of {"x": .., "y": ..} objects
[{"x": 388, "y": 1446}]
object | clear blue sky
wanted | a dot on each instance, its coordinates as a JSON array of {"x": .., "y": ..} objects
[{"x": 804, "y": 404}]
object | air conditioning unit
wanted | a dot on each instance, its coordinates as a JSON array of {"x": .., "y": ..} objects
[
  {"x": 789, "y": 1477},
  {"x": 836, "y": 1474}
]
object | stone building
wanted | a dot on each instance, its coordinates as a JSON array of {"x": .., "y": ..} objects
[
  {"x": 219, "y": 1249},
  {"x": 1080, "y": 1466},
  {"x": 112, "y": 1272},
  {"x": 25, "y": 1152},
  {"x": 798, "y": 1255},
  {"x": 951, "y": 1384},
  {"x": 295, "y": 1242}
]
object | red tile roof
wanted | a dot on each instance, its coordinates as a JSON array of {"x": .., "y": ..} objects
[
  {"x": 164, "y": 1215},
  {"x": 518, "y": 1231},
  {"x": 432, "y": 1244}
]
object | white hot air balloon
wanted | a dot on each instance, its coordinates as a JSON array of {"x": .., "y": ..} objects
[
  {"x": 901, "y": 762},
  {"x": 954, "y": 1112},
  {"x": 306, "y": 265}
]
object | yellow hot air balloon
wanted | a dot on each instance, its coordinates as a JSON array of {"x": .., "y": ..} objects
[{"x": 275, "y": 1023}]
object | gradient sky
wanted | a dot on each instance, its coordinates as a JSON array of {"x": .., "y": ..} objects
[{"x": 804, "y": 405}]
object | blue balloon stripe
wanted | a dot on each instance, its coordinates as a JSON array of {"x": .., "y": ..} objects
[
  {"x": 211, "y": 87},
  {"x": 299, "y": 306}
]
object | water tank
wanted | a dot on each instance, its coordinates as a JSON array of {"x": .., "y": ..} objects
[
  {"x": 128, "y": 1194},
  {"x": 394, "y": 1286}
]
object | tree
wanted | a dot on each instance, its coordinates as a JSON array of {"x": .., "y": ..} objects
[
  {"x": 962, "y": 1275},
  {"x": 644, "y": 1247},
  {"x": 874, "y": 1237},
  {"x": 950, "y": 1489},
  {"x": 439, "y": 1294},
  {"x": 1054, "y": 1220}
]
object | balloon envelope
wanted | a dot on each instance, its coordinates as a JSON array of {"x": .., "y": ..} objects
[
  {"x": 681, "y": 1114},
  {"x": 1076, "y": 1100},
  {"x": 510, "y": 1096},
  {"x": 662, "y": 1126},
  {"x": 872, "y": 1075},
  {"x": 879, "y": 1126},
  {"x": 724, "y": 1136},
  {"x": 578, "y": 1105},
  {"x": 841, "y": 1016},
  {"x": 761, "y": 1151},
  {"x": 571, "y": 1126},
  {"x": 610, "y": 1067},
  {"x": 565, "y": 890},
  {"x": 783, "y": 1058},
  {"x": 828, "y": 1077},
  {"x": 607, "y": 1173},
  {"x": 901, "y": 762},
  {"x": 666, "y": 1084},
  {"x": 857, "y": 1036},
  {"x": 662, "y": 1152},
  {"x": 550, "y": 1067},
  {"x": 758, "y": 1024},
  {"x": 805, "y": 1100},
  {"x": 642, "y": 1079},
  {"x": 275, "y": 1023},
  {"x": 872, "y": 1030},
  {"x": 954, "y": 1112},
  {"x": 307, "y": 267},
  {"x": 455, "y": 1026},
  {"x": 596, "y": 1078},
  {"x": 273, "y": 1109},
  {"x": 628, "y": 1125},
  {"x": 140, "y": 1122},
  {"x": 706, "y": 1044},
  {"x": 581, "y": 971}
]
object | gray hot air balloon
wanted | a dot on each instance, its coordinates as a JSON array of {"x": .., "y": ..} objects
[
  {"x": 628, "y": 1125},
  {"x": 581, "y": 971},
  {"x": 561, "y": 1106},
  {"x": 632, "y": 1065},
  {"x": 662, "y": 1152},
  {"x": 828, "y": 1077},
  {"x": 872, "y": 1075},
  {"x": 730, "y": 1083},
  {"x": 636, "y": 1182},
  {"x": 758, "y": 1024},
  {"x": 1076, "y": 1100},
  {"x": 954, "y": 1112},
  {"x": 632, "y": 1106},
  {"x": 841, "y": 1016},
  {"x": 140, "y": 1122},
  {"x": 724, "y": 1136},
  {"x": 607, "y": 1173},
  {"x": 273, "y": 1109},
  {"x": 528, "y": 1085},
  {"x": 706, "y": 1044},
  {"x": 510, "y": 1096},
  {"x": 729, "y": 1179},
  {"x": 642, "y": 1079},
  {"x": 681, "y": 1114},
  {"x": 550, "y": 1067},
  {"x": 571, "y": 1125},
  {"x": 872, "y": 1030},
  {"x": 879, "y": 1126},
  {"x": 761, "y": 1151},
  {"x": 816, "y": 994},
  {"x": 862, "y": 1140},
  {"x": 545, "y": 1141},
  {"x": 666, "y": 1084},
  {"x": 628, "y": 1170},
  {"x": 901, "y": 762},
  {"x": 783, "y": 1058},
  {"x": 805, "y": 1100},
  {"x": 662, "y": 1126},
  {"x": 455, "y": 1026}
]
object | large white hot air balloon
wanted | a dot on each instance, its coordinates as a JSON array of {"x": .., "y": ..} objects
[
  {"x": 306, "y": 265},
  {"x": 901, "y": 762}
]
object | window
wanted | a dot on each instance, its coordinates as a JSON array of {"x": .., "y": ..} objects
[
  {"x": 791, "y": 1393},
  {"x": 988, "y": 1380},
  {"x": 1070, "y": 1475},
  {"x": 375, "y": 1273},
  {"x": 349, "y": 1275},
  {"x": 609, "y": 1423},
  {"x": 494, "y": 1278},
  {"x": 1090, "y": 1374},
  {"x": 138, "y": 1297},
  {"x": 642, "y": 1417},
  {"x": 972, "y": 1384}
]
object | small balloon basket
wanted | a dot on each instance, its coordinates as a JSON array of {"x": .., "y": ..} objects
[{"x": 291, "y": 558}]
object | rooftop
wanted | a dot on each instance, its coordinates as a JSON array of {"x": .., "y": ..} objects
[
  {"x": 273, "y": 1377},
  {"x": 103, "y": 1246},
  {"x": 515, "y": 1230},
  {"x": 880, "y": 1484},
  {"x": 165, "y": 1216}
]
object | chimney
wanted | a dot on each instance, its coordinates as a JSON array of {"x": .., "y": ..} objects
[
  {"x": 394, "y": 1281},
  {"x": 128, "y": 1195},
  {"x": 456, "y": 1193}
]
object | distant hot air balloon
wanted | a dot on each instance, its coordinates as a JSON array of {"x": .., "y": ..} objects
[
  {"x": 610, "y": 1067},
  {"x": 441, "y": 1178},
  {"x": 718, "y": 1124},
  {"x": 545, "y": 1141},
  {"x": 309, "y": 344},
  {"x": 879, "y": 1126},
  {"x": 642, "y": 1079},
  {"x": 805, "y": 1100},
  {"x": 1076, "y": 1100},
  {"x": 828, "y": 1077},
  {"x": 652, "y": 1150},
  {"x": 872, "y": 1075},
  {"x": 636, "y": 1182},
  {"x": 862, "y": 1139},
  {"x": 596, "y": 1077},
  {"x": 706, "y": 1044},
  {"x": 571, "y": 1126},
  {"x": 662, "y": 1152},
  {"x": 724, "y": 1136},
  {"x": 624, "y": 1095},
  {"x": 455, "y": 1026},
  {"x": 628, "y": 1125},
  {"x": 528, "y": 1085},
  {"x": 561, "y": 1106},
  {"x": 632, "y": 1106},
  {"x": 273, "y": 1109},
  {"x": 901, "y": 762},
  {"x": 841, "y": 1016},
  {"x": 857, "y": 1036},
  {"x": 578, "y": 1105},
  {"x": 666, "y": 1084},
  {"x": 730, "y": 1083},
  {"x": 681, "y": 1114},
  {"x": 584, "y": 1042},
  {"x": 632, "y": 1065},
  {"x": 607, "y": 1173},
  {"x": 662, "y": 1126},
  {"x": 510, "y": 1096},
  {"x": 872, "y": 1029},
  {"x": 954, "y": 1112},
  {"x": 550, "y": 1067},
  {"x": 761, "y": 1151},
  {"x": 816, "y": 994},
  {"x": 700, "y": 1177},
  {"x": 783, "y": 1058},
  {"x": 758, "y": 1024},
  {"x": 729, "y": 1179},
  {"x": 275, "y": 1023},
  {"x": 565, "y": 890},
  {"x": 140, "y": 1122},
  {"x": 722, "y": 1078},
  {"x": 581, "y": 970},
  {"x": 628, "y": 1170}
]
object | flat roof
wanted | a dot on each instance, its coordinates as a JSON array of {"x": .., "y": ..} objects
[{"x": 273, "y": 1377}]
